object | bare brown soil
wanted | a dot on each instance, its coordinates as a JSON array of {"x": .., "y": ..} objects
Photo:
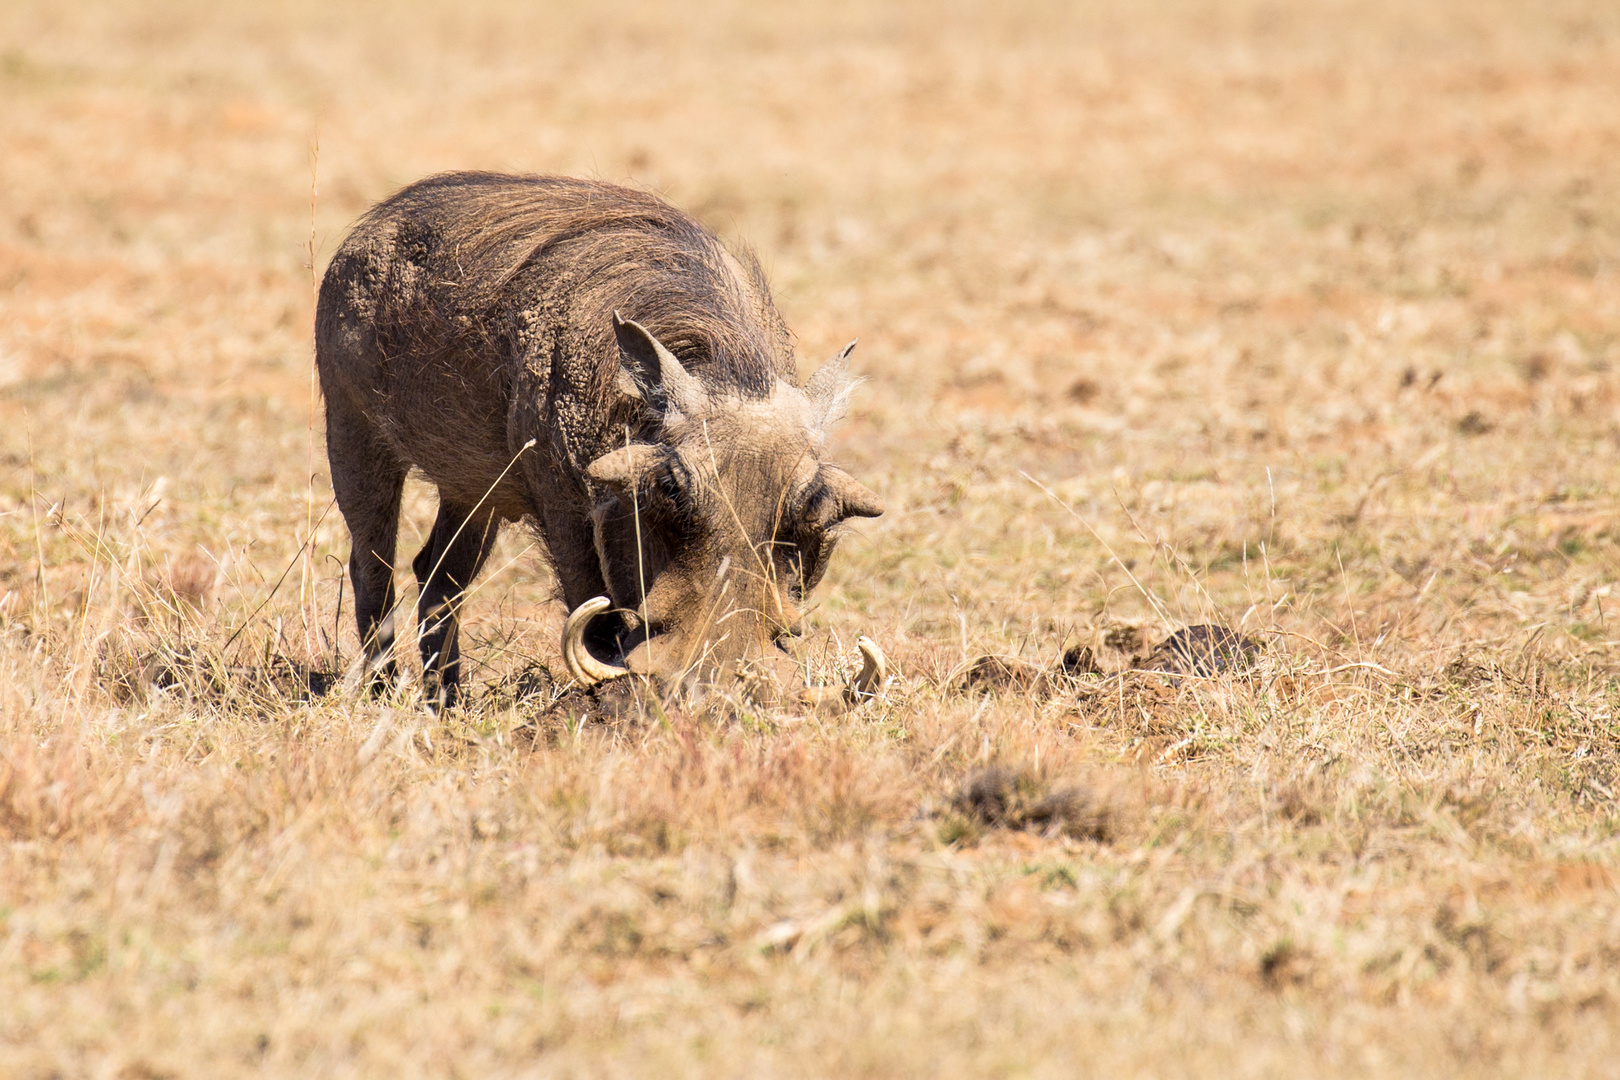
[{"x": 1301, "y": 319}]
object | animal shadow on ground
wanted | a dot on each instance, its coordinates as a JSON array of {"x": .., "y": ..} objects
[
  {"x": 535, "y": 691},
  {"x": 136, "y": 674}
]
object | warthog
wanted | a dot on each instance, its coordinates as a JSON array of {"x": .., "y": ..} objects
[{"x": 587, "y": 359}]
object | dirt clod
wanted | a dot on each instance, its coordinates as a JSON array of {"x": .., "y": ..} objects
[{"x": 1202, "y": 650}]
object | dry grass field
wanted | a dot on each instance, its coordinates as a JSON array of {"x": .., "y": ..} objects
[{"x": 1301, "y": 318}]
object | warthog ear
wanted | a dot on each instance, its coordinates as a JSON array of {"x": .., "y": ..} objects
[
  {"x": 829, "y": 389},
  {"x": 850, "y": 497},
  {"x": 622, "y": 468},
  {"x": 655, "y": 376}
]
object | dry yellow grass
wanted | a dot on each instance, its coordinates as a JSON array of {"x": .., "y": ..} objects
[{"x": 1310, "y": 312}]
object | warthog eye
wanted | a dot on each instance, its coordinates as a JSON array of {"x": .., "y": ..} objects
[
  {"x": 668, "y": 496},
  {"x": 806, "y": 539},
  {"x": 803, "y": 559},
  {"x": 671, "y": 478}
]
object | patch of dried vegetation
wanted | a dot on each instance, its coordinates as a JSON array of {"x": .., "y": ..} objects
[{"x": 1303, "y": 321}]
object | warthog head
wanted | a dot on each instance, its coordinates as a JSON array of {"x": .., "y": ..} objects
[{"x": 714, "y": 524}]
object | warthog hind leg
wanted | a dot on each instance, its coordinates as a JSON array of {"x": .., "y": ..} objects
[{"x": 368, "y": 480}]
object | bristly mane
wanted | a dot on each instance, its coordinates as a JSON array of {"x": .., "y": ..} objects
[{"x": 608, "y": 247}]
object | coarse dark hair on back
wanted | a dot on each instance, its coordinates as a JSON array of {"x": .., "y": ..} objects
[{"x": 587, "y": 246}]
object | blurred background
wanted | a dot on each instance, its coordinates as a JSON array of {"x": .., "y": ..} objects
[{"x": 1226, "y": 263}]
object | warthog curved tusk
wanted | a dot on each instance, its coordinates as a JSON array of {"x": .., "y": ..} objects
[
  {"x": 862, "y": 688},
  {"x": 874, "y": 671},
  {"x": 586, "y": 669}
]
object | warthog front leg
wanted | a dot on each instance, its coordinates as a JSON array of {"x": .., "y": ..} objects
[{"x": 445, "y": 568}]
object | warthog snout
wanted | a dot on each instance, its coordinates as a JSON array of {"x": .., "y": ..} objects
[
  {"x": 712, "y": 527},
  {"x": 589, "y": 671}
]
